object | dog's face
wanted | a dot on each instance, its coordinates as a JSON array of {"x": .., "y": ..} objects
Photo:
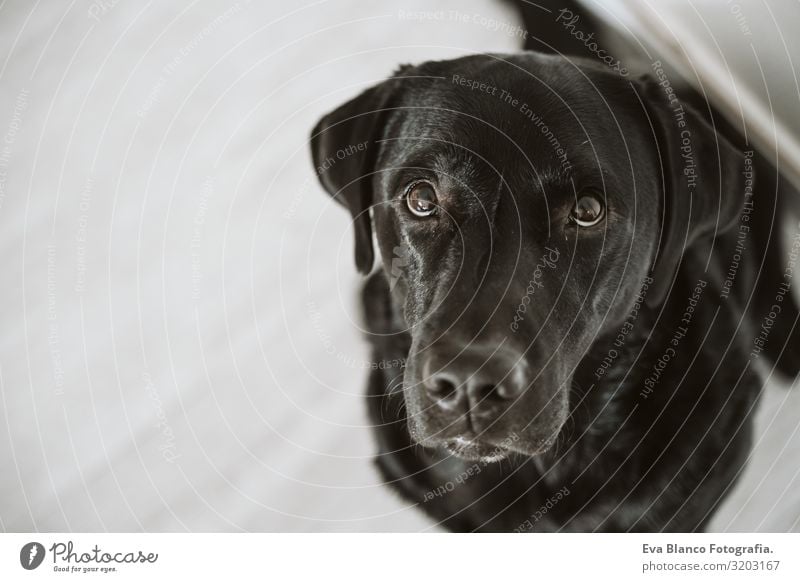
[{"x": 519, "y": 204}]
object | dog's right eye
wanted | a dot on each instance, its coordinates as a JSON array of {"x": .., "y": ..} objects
[
  {"x": 588, "y": 211},
  {"x": 421, "y": 199}
]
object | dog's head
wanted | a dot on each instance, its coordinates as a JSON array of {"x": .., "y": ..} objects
[{"x": 519, "y": 204}]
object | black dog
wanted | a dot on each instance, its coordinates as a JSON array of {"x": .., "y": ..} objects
[{"x": 581, "y": 276}]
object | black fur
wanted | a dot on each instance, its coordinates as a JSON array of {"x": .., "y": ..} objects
[{"x": 641, "y": 445}]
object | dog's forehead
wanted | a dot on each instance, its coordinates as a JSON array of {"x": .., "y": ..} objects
[
  {"x": 495, "y": 87},
  {"x": 533, "y": 121},
  {"x": 493, "y": 110}
]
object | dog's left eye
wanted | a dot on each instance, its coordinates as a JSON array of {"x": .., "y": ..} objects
[
  {"x": 421, "y": 199},
  {"x": 588, "y": 211}
]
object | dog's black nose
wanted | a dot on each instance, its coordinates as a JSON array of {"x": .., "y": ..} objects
[{"x": 471, "y": 383}]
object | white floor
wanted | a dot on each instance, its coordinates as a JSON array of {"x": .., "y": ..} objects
[{"x": 180, "y": 346}]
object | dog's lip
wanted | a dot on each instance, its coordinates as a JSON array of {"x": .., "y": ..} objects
[{"x": 473, "y": 448}]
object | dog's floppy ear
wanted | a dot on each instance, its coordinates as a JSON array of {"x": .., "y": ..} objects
[
  {"x": 344, "y": 147},
  {"x": 701, "y": 182}
]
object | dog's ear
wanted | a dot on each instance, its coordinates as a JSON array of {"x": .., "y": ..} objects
[
  {"x": 701, "y": 182},
  {"x": 344, "y": 146}
]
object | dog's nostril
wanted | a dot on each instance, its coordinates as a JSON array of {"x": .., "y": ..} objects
[
  {"x": 506, "y": 391},
  {"x": 441, "y": 388}
]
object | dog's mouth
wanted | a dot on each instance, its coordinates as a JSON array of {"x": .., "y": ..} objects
[{"x": 472, "y": 449}]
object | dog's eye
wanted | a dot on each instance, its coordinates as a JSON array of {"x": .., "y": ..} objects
[
  {"x": 421, "y": 199},
  {"x": 588, "y": 211}
]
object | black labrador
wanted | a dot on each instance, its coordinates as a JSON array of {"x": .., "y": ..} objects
[{"x": 582, "y": 275}]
